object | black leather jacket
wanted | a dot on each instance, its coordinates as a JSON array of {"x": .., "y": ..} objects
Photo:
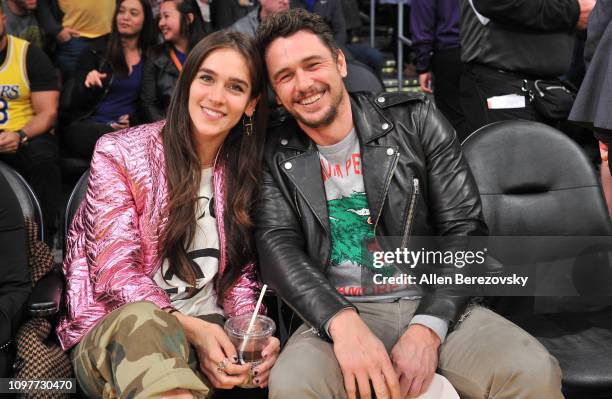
[
  {"x": 402, "y": 138},
  {"x": 159, "y": 78}
]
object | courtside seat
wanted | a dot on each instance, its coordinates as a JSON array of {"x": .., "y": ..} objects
[{"x": 535, "y": 181}]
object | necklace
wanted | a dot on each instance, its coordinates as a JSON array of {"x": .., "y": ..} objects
[{"x": 211, "y": 164}]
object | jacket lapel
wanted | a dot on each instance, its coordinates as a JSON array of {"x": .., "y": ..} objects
[
  {"x": 304, "y": 170},
  {"x": 378, "y": 161}
]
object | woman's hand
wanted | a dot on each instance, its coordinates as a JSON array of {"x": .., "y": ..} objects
[
  {"x": 122, "y": 123},
  {"x": 261, "y": 372},
  {"x": 216, "y": 354},
  {"x": 94, "y": 78}
]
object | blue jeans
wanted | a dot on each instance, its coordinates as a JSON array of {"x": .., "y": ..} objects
[{"x": 67, "y": 54}]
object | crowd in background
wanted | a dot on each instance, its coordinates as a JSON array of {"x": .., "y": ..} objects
[{"x": 114, "y": 64}]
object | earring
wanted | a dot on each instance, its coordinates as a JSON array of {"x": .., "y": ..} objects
[{"x": 247, "y": 123}]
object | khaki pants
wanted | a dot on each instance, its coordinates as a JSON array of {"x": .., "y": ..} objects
[
  {"x": 137, "y": 351},
  {"x": 485, "y": 356}
]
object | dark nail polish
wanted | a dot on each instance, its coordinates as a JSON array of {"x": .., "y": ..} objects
[
  {"x": 235, "y": 359},
  {"x": 255, "y": 372},
  {"x": 256, "y": 380}
]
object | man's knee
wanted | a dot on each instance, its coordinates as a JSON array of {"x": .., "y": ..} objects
[
  {"x": 536, "y": 372},
  {"x": 307, "y": 369}
]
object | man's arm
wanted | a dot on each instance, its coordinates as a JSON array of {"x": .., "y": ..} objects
[
  {"x": 285, "y": 266},
  {"x": 422, "y": 30},
  {"x": 44, "y": 104},
  {"x": 299, "y": 281},
  {"x": 44, "y": 98},
  {"x": 455, "y": 210},
  {"x": 542, "y": 15}
]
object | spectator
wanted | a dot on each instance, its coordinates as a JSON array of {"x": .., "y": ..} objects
[
  {"x": 331, "y": 11},
  {"x": 163, "y": 250},
  {"x": 507, "y": 42},
  {"x": 75, "y": 25},
  {"x": 434, "y": 26},
  {"x": 594, "y": 100},
  {"x": 225, "y": 12},
  {"x": 180, "y": 23},
  {"x": 104, "y": 94},
  {"x": 21, "y": 21},
  {"x": 14, "y": 273},
  {"x": 349, "y": 171},
  {"x": 28, "y": 110},
  {"x": 205, "y": 11},
  {"x": 250, "y": 22}
]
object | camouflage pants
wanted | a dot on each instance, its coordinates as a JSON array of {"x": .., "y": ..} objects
[{"x": 137, "y": 351}]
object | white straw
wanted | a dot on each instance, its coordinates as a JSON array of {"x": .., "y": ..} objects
[{"x": 252, "y": 322}]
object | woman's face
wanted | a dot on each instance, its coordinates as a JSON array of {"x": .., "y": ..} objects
[
  {"x": 130, "y": 18},
  {"x": 220, "y": 94},
  {"x": 170, "y": 21}
]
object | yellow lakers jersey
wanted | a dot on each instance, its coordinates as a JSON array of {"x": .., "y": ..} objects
[{"x": 15, "y": 105}]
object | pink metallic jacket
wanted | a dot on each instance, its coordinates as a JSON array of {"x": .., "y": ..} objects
[{"x": 113, "y": 246}]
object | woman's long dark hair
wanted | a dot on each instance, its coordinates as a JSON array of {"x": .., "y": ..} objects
[
  {"x": 241, "y": 156},
  {"x": 146, "y": 39},
  {"x": 194, "y": 31}
]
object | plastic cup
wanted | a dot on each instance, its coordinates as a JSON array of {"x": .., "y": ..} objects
[{"x": 236, "y": 329}]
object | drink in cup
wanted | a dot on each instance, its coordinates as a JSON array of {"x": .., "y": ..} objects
[{"x": 249, "y": 345}]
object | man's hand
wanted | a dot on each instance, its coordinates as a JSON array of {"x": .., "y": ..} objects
[
  {"x": 603, "y": 151},
  {"x": 66, "y": 34},
  {"x": 425, "y": 82},
  {"x": 415, "y": 359},
  {"x": 9, "y": 142},
  {"x": 586, "y": 6},
  {"x": 362, "y": 358}
]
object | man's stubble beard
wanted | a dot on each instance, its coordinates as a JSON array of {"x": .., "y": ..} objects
[{"x": 329, "y": 116}]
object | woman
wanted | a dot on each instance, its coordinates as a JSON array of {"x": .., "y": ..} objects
[
  {"x": 180, "y": 23},
  {"x": 166, "y": 220},
  {"x": 104, "y": 94}
]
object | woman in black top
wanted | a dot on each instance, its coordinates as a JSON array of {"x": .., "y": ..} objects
[
  {"x": 104, "y": 94},
  {"x": 181, "y": 25}
]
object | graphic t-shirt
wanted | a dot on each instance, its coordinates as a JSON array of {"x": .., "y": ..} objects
[
  {"x": 24, "y": 27},
  {"x": 204, "y": 253},
  {"x": 352, "y": 229}
]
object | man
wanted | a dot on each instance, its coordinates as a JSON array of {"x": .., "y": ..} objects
[
  {"x": 346, "y": 169},
  {"x": 21, "y": 22},
  {"x": 504, "y": 43},
  {"x": 434, "y": 27},
  {"x": 75, "y": 25},
  {"x": 28, "y": 109},
  {"x": 250, "y": 22}
]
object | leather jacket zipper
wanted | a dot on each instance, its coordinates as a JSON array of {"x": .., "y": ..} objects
[
  {"x": 386, "y": 190},
  {"x": 411, "y": 212}
]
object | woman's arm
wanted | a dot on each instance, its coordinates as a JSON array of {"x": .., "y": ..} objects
[
  {"x": 112, "y": 237},
  {"x": 243, "y": 295}
]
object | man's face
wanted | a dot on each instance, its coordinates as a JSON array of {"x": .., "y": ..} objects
[
  {"x": 29, "y": 5},
  {"x": 306, "y": 78},
  {"x": 272, "y": 6}
]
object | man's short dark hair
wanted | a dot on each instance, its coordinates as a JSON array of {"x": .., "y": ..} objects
[{"x": 287, "y": 23}]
